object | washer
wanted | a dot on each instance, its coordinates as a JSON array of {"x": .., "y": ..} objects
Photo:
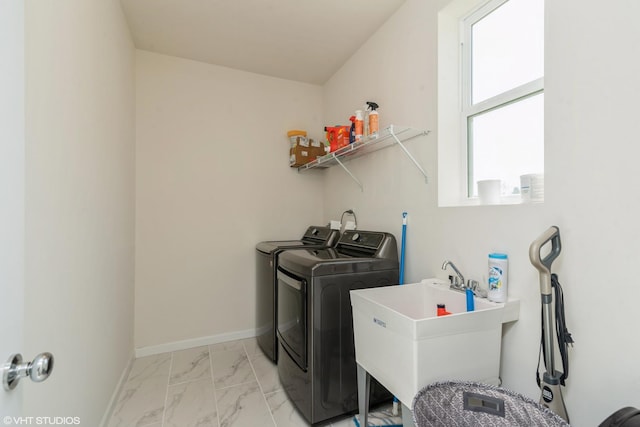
[
  {"x": 317, "y": 365},
  {"x": 315, "y": 237}
]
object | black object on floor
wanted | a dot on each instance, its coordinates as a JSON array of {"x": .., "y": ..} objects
[
  {"x": 625, "y": 417},
  {"x": 470, "y": 404}
]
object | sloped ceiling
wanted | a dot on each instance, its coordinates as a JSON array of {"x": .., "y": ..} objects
[{"x": 302, "y": 40}]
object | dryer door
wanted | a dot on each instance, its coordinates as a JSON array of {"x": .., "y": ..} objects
[
  {"x": 265, "y": 304},
  {"x": 292, "y": 316}
]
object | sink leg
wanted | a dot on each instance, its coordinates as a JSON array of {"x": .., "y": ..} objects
[
  {"x": 407, "y": 417},
  {"x": 364, "y": 384}
]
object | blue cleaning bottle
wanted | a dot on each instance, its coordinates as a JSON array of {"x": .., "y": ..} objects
[{"x": 352, "y": 131}]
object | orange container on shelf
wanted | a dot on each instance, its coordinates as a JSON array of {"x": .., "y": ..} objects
[
  {"x": 298, "y": 137},
  {"x": 338, "y": 136},
  {"x": 296, "y": 133}
]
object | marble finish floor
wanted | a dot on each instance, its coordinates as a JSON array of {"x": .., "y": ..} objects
[{"x": 230, "y": 384}]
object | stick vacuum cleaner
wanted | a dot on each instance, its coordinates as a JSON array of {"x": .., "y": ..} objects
[{"x": 552, "y": 379}]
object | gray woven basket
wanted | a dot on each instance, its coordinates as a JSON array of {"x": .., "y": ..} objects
[{"x": 460, "y": 403}]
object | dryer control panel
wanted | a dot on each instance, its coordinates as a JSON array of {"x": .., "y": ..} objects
[{"x": 317, "y": 234}]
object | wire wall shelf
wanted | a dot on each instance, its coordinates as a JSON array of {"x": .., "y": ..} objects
[{"x": 387, "y": 137}]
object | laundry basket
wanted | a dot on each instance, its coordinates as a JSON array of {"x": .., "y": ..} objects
[{"x": 472, "y": 404}]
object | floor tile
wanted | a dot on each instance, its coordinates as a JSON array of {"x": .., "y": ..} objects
[
  {"x": 189, "y": 365},
  {"x": 191, "y": 404},
  {"x": 150, "y": 366},
  {"x": 226, "y": 346},
  {"x": 223, "y": 385},
  {"x": 251, "y": 347},
  {"x": 380, "y": 416},
  {"x": 345, "y": 422},
  {"x": 267, "y": 373},
  {"x": 231, "y": 368},
  {"x": 243, "y": 406},
  {"x": 141, "y": 400},
  {"x": 284, "y": 413}
]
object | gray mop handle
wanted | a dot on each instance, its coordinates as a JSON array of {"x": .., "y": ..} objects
[{"x": 543, "y": 265}]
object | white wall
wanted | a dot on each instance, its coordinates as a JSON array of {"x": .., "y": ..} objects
[
  {"x": 591, "y": 157},
  {"x": 212, "y": 180},
  {"x": 11, "y": 189},
  {"x": 79, "y": 196}
]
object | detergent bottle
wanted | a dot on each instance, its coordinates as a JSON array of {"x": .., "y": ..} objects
[
  {"x": 338, "y": 137},
  {"x": 498, "y": 273},
  {"x": 373, "y": 119},
  {"x": 352, "y": 133},
  {"x": 359, "y": 125}
]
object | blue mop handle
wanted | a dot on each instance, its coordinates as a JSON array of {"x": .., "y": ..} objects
[
  {"x": 402, "y": 250},
  {"x": 402, "y": 246}
]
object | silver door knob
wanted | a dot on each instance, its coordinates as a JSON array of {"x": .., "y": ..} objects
[{"x": 38, "y": 370}]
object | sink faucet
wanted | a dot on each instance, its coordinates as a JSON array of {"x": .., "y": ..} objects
[{"x": 455, "y": 285}]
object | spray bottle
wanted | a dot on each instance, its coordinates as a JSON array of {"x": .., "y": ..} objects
[{"x": 373, "y": 119}]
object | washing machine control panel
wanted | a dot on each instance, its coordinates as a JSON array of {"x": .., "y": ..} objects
[{"x": 364, "y": 239}]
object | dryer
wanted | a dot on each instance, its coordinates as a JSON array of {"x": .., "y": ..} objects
[
  {"x": 317, "y": 365},
  {"x": 315, "y": 237}
]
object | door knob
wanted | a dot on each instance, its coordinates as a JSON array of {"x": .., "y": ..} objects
[{"x": 38, "y": 370}]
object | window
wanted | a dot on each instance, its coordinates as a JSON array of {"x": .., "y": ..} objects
[{"x": 500, "y": 94}]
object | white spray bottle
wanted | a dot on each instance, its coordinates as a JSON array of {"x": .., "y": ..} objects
[{"x": 373, "y": 119}]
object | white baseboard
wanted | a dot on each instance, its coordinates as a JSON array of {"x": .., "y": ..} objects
[
  {"x": 116, "y": 391},
  {"x": 194, "y": 342}
]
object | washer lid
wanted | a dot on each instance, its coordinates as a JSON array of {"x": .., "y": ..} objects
[
  {"x": 356, "y": 252},
  {"x": 325, "y": 262},
  {"x": 314, "y": 237},
  {"x": 270, "y": 247}
]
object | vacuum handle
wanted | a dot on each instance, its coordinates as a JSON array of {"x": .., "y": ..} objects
[{"x": 543, "y": 265}]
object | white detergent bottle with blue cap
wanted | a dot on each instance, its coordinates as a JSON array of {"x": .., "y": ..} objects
[{"x": 498, "y": 272}]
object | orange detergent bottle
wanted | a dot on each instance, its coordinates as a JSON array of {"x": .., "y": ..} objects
[{"x": 442, "y": 311}]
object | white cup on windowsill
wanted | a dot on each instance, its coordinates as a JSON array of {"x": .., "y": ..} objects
[{"x": 489, "y": 191}]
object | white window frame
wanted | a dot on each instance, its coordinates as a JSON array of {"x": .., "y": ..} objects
[{"x": 470, "y": 110}]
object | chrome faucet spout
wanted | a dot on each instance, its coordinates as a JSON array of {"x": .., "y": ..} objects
[{"x": 449, "y": 263}]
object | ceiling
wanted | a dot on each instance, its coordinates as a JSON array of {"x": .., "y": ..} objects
[{"x": 302, "y": 40}]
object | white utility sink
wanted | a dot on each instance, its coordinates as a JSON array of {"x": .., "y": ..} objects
[{"x": 400, "y": 340}]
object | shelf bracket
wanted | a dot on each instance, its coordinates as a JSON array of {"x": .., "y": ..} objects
[
  {"x": 349, "y": 172},
  {"x": 415, "y": 162}
]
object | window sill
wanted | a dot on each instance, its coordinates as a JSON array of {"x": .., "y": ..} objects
[{"x": 504, "y": 201}]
